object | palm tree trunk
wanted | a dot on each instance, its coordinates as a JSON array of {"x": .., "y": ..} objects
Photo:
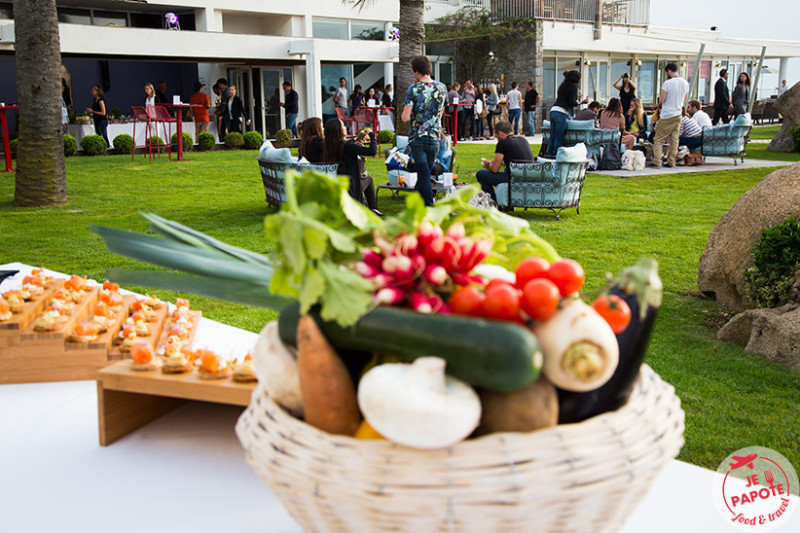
[
  {"x": 412, "y": 35},
  {"x": 41, "y": 177}
]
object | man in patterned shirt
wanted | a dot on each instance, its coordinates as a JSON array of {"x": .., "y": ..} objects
[{"x": 424, "y": 105}]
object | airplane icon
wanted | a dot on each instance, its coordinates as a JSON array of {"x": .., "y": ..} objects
[{"x": 744, "y": 461}]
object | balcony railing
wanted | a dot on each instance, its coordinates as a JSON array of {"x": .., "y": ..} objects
[{"x": 614, "y": 12}]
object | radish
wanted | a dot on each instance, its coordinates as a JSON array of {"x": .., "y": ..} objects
[
  {"x": 435, "y": 274},
  {"x": 366, "y": 270},
  {"x": 420, "y": 303},
  {"x": 372, "y": 258},
  {"x": 427, "y": 233},
  {"x": 435, "y": 250},
  {"x": 406, "y": 244},
  {"x": 383, "y": 280},
  {"x": 451, "y": 256},
  {"x": 389, "y": 296},
  {"x": 456, "y": 231}
]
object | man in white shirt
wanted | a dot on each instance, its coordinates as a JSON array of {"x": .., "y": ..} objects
[
  {"x": 514, "y": 100},
  {"x": 783, "y": 88},
  {"x": 695, "y": 110},
  {"x": 340, "y": 96},
  {"x": 672, "y": 98}
]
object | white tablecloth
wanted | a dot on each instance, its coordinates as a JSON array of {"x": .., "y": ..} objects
[
  {"x": 186, "y": 472},
  {"x": 80, "y": 130}
]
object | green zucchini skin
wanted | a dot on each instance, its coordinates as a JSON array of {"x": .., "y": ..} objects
[{"x": 494, "y": 355}]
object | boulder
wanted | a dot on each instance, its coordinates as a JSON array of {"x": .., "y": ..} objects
[
  {"x": 728, "y": 252},
  {"x": 788, "y": 105},
  {"x": 774, "y": 333}
]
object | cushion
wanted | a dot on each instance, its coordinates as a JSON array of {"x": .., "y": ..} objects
[
  {"x": 275, "y": 155},
  {"x": 402, "y": 142},
  {"x": 573, "y": 154},
  {"x": 743, "y": 120},
  {"x": 580, "y": 125},
  {"x": 545, "y": 124}
]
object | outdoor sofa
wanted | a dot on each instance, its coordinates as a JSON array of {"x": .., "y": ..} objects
[
  {"x": 581, "y": 131},
  {"x": 274, "y": 162}
]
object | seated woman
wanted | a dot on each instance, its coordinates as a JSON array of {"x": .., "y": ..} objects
[
  {"x": 636, "y": 122},
  {"x": 347, "y": 153},
  {"x": 312, "y": 145},
  {"x": 611, "y": 118},
  {"x": 690, "y": 133}
]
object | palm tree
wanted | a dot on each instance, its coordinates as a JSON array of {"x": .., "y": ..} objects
[
  {"x": 41, "y": 177},
  {"x": 412, "y": 35}
]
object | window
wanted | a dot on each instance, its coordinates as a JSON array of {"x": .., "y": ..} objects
[
  {"x": 74, "y": 16},
  {"x": 647, "y": 82},
  {"x": 549, "y": 77},
  {"x": 146, "y": 20},
  {"x": 440, "y": 49},
  {"x": 367, "y": 31},
  {"x": 445, "y": 72},
  {"x": 109, "y": 18},
  {"x": 329, "y": 28},
  {"x": 330, "y": 81}
]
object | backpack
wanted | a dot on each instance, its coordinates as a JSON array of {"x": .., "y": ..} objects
[{"x": 611, "y": 159}]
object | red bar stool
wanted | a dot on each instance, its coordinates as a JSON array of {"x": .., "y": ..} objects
[
  {"x": 140, "y": 114},
  {"x": 160, "y": 115},
  {"x": 340, "y": 114}
]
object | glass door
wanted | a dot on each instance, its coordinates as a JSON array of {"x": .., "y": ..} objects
[{"x": 272, "y": 96}]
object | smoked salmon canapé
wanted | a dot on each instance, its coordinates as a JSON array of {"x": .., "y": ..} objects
[
  {"x": 85, "y": 331},
  {"x": 211, "y": 365},
  {"x": 143, "y": 357}
]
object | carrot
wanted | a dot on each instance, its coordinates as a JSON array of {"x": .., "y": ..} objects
[{"x": 329, "y": 396}]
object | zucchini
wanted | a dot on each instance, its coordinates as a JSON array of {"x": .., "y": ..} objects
[{"x": 494, "y": 355}]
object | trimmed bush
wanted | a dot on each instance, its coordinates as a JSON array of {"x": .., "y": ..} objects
[
  {"x": 776, "y": 258},
  {"x": 116, "y": 112},
  {"x": 70, "y": 145},
  {"x": 386, "y": 136},
  {"x": 13, "y": 146},
  {"x": 795, "y": 132},
  {"x": 123, "y": 143},
  {"x": 283, "y": 138},
  {"x": 253, "y": 140},
  {"x": 188, "y": 143},
  {"x": 234, "y": 140},
  {"x": 93, "y": 145},
  {"x": 206, "y": 141}
]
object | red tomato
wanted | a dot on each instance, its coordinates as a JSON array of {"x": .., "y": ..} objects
[
  {"x": 502, "y": 303},
  {"x": 531, "y": 268},
  {"x": 467, "y": 301},
  {"x": 540, "y": 298},
  {"x": 496, "y": 282},
  {"x": 567, "y": 275},
  {"x": 614, "y": 310}
]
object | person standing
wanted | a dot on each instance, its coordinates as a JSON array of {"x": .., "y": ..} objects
[
  {"x": 340, "y": 96},
  {"x": 566, "y": 102},
  {"x": 510, "y": 148},
  {"x": 423, "y": 107},
  {"x": 149, "y": 95},
  {"x": 468, "y": 99},
  {"x": 783, "y": 88},
  {"x": 722, "y": 99},
  {"x": 478, "y": 110},
  {"x": 673, "y": 96},
  {"x": 741, "y": 95},
  {"x": 492, "y": 101},
  {"x": 454, "y": 98},
  {"x": 235, "y": 111},
  {"x": 627, "y": 91},
  {"x": 291, "y": 106},
  {"x": 99, "y": 113},
  {"x": 224, "y": 96},
  {"x": 532, "y": 99},
  {"x": 200, "y": 98},
  {"x": 161, "y": 92},
  {"x": 514, "y": 101}
]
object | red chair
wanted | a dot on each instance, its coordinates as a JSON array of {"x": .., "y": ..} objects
[
  {"x": 365, "y": 117},
  {"x": 344, "y": 118},
  {"x": 140, "y": 114},
  {"x": 160, "y": 115}
]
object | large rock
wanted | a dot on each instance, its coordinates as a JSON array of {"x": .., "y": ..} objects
[
  {"x": 788, "y": 105},
  {"x": 774, "y": 333},
  {"x": 728, "y": 252}
]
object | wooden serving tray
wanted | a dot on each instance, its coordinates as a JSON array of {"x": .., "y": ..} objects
[
  {"x": 129, "y": 399},
  {"x": 115, "y": 352},
  {"x": 103, "y": 341},
  {"x": 10, "y": 329},
  {"x": 45, "y": 343},
  {"x": 162, "y": 340}
]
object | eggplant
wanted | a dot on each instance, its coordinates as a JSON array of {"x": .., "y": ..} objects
[{"x": 641, "y": 289}]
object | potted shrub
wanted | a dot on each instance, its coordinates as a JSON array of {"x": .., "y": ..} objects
[
  {"x": 283, "y": 138},
  {"x": 123, "y": 144},
  {"x": 253, "y": 140},
  {"x": 70, "y": 145},
  {"x": 188, "y": 143},
  {"x": 93, "y": 145},
  {"x": 234, "y": 140},
  {"x": 206, "y": 141}
]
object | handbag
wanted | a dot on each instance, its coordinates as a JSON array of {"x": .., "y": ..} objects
[{"x": 691, "y": 160}]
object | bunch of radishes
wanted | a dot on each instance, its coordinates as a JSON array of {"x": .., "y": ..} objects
[{"x": 420, "y": 269}]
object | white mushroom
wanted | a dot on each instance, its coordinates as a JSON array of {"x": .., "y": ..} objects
[
  {"x": 276, "y": 369},
  {"x": 417, "y": 405},
  {"x": 580, "y": 350}
]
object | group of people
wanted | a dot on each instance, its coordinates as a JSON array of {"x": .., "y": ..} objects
[
  {"x": 376, "y": 96},
  {"x": 473, "y": 104}
]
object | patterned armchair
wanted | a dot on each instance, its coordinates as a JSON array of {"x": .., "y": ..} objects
[
  {"x": 543, "y": 184},
  {"x": 727, "y": 139},
  {"x": 272, "y": 176},
  {"x": 576, "y": 133}
]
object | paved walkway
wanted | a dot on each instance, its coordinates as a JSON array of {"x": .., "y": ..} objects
[{"x": 712, "y": 164}]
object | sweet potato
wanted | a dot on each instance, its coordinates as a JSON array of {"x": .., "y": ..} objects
[
  {"x": 329, "y": 396},
  {"x": 534, "y": 407}
]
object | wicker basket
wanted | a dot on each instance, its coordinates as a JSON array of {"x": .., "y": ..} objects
[{"x": 585, "y": 477}]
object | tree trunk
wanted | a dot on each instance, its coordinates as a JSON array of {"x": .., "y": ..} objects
[
  {"x": 412, "y": 35},
  {"x": 41, "y": 177}
]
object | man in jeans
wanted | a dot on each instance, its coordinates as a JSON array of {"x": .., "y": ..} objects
[
  {"x": 424, "y": 105},
  {"x": 291, "y": 106},
  {"x": 514, "y": 99},
  {"x": 510, "y": 148},
  {"x": 532, "y": 99},
  {"x": 672, "y": 98}
]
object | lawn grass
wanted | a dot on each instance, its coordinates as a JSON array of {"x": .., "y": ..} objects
[
  {"x": 765, "y": 132},
  {"x": 731, "y": 399}
]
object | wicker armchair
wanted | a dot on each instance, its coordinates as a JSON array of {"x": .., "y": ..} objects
[
  {"x": 272, "y": 176},
  {"x": 593, "y": 138},
  {"x": 727, "y": 139},
  {"x": 543, "y": 184}
]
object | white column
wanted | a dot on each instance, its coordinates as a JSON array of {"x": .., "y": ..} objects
[
  {"x": 208, "y": 19},
  {"x": 388, "y": 74},
  {"x": 313, "y": 85},
  {"x": 784, "y": 71}
]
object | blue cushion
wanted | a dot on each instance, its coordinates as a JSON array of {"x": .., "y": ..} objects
[
  {"x": 545, "y": 124},
  {"x": 275, "y": 155},
  {"x": 262, "y": 152},
  {"x": 743, "y": 120},
  {"x": 580, "y": 124},
  {"x": 573, "y": 154},
  {"x": 402, "y": 142}
]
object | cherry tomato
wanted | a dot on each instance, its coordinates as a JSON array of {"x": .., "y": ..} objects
[
  {"x": 531, "y": 268},
  {"x": 540, "y": 298},
  {"x": 614, "y": 310},
  {"x": 567, "y": 275},
  {"x": 502, "y": 303},
  {"x": 496, "y": 282},
  {"x": 467, "y": 301}
]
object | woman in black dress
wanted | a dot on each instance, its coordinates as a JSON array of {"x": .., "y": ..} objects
[
  {"x": 99, "y": 114},
  {"x": 346, "y": 153},
  {"x": 312, "y": 145},
  {"x": 627, "y": 91}
]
